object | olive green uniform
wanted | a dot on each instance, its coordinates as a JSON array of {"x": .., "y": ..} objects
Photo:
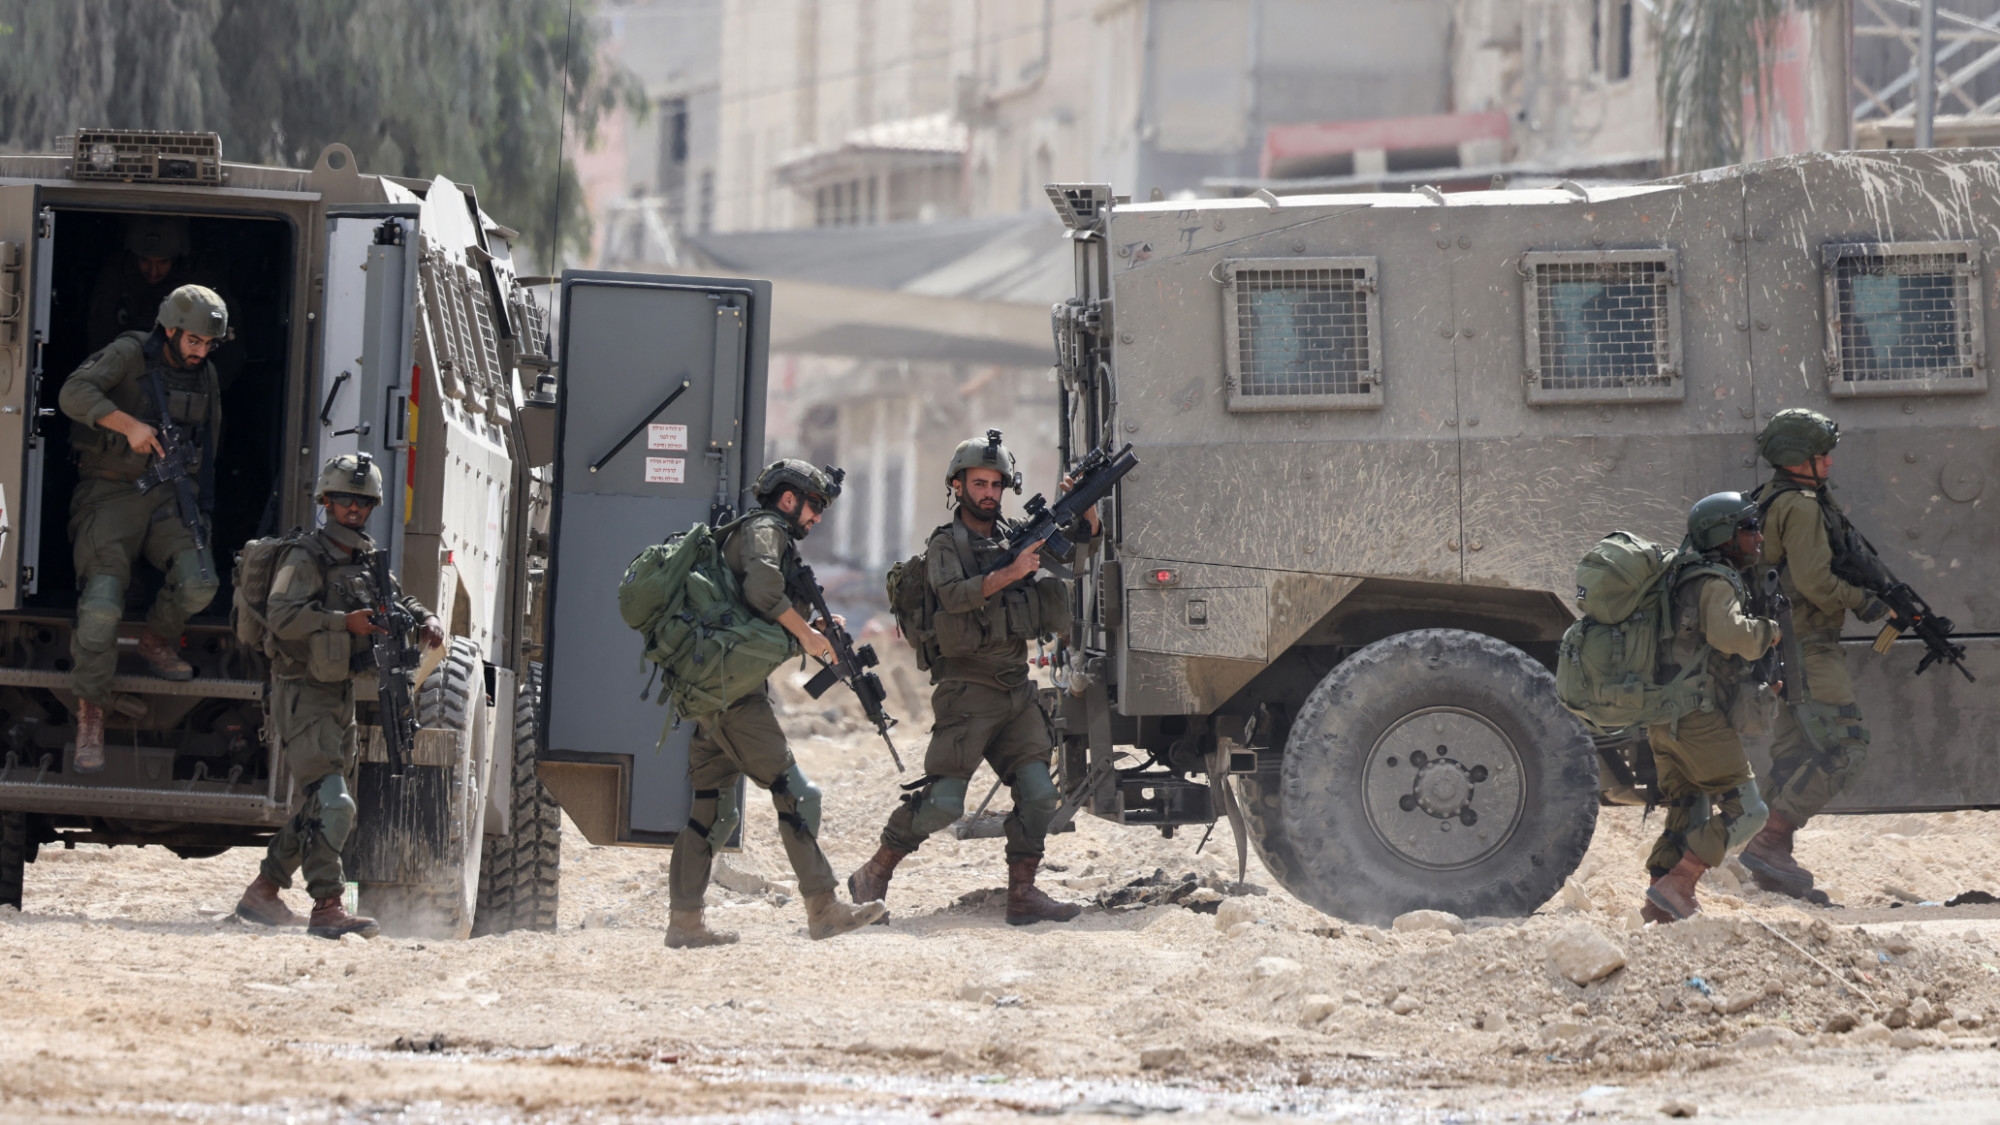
[
  {"x": 1818, "y": 745},
  {"x": 985, "y": 706},
  {"x": 314, "y": 586},
  {"x": 111, "y": 522},
  {"x": 1704, "y": 776},
  {"x": 745, "y": 740}
]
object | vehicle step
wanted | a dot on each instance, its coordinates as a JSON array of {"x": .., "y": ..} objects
[{"x": 138, "y": 685}]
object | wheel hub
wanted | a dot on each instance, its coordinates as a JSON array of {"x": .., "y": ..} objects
[{"x": 1443, "y": 787}]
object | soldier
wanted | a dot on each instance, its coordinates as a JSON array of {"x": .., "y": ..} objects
[
  {"x": 320, "y": 604},
  {"x": 745, "y": 740},
  {"x": 132, "y": 284},
  {"x": 1820, "y": 744},
  {"x": 110, "y": 401},
  {"x": 1704, "y": 777},
  {"x": 985, "y": 705}
]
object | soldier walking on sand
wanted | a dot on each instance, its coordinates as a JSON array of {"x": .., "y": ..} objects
[
  {"x": 1820, "y": 744},
  {"x": 745, "y": 740},
  {"x": 985, "y": 704},
  {"x": 320, "y": 631},
  {"x": 112, "y": 403},
  {"x": 1704, "y": 776}
]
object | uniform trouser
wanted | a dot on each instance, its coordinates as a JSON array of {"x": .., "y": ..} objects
[
  {"x": 744, "y": 741},
  {"x": 1004, "y": 728},
  {"x": 1707, "y": 787},
  {"x": 1818, "y": 746},
  {"x": 316, "y": 733},
  {"x": 111, "y": 523}
]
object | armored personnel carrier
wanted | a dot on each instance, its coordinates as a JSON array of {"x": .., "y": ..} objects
[
  {"x": 382, "y": 315},
  {"x": 1376, "y": 432}
]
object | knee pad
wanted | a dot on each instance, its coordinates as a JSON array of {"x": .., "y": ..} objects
[
  {"x": 713, "y": 816},
  {"x": 191, "y": 581},
  {"x": 943, "y": 803},
  {"x": 336, "y": 810},
  {"x": 1755, "y": 813},
  {"x": 803, "y": 794},
  {"x": 98, "y": 612},
  {"x": 1035, "y": 798}
]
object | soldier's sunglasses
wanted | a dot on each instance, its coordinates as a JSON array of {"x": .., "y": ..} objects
[
  {"x": 1749, "y": 523},
  {"x": 351, "y": 500}
]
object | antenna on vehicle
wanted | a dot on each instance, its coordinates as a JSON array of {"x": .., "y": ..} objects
[{"x": 562, "y": 127}]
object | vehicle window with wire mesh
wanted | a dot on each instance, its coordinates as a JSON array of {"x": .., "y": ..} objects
[
  {"x": 1904, "y": 316},
  {"x": 1303, "y": 332},
  {"x": 1602, "y": 325}
]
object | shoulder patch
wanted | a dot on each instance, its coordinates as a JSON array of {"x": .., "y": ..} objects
[{"x": 283, "y": 581}]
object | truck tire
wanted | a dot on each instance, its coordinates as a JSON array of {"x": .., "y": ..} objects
[
  {"x": 442, "y": 903},
  {"x": 1435, "y": 770},
  {"x": 520, "y": 874},
  {"x": 13, "y": 856},
  {"x": 1263, "y": 814}
]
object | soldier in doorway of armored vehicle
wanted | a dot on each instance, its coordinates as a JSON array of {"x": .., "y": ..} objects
[
  {"x": 152, "y": 264},
  {"x": 744, "y": 738},
  {"x": 1819, "y": 744},
  {"x": 985, "y": 706},
  {"x": 318, "y": 632},
  {"x": 123, "y": 402},
  {"x": 1704, "y": 776}
]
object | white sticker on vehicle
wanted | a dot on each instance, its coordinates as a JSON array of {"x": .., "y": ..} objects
[
  {"x": 666, "y": 470},
  {"x": 666, "y": 435}
]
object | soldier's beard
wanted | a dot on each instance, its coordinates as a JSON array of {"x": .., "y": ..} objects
[{"x": 988, "y": 510}]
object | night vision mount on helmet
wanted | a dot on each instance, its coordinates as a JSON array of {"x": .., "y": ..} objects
[{"x": 984, "y": 453}]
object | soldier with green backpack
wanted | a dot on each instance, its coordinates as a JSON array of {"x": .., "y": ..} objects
[
  {"x": 718, "y": 618},
  {"x": 1665, "y": 643}
]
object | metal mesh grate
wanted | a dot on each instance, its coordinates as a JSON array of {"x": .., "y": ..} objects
[
  {"x": 1904, "y": 316},
  {"x": 1303, "y": 332},
  {"x": 139, "y": 156},
  {"x": 1602, "y": 325}
]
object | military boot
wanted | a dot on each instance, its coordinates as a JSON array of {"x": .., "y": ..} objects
[
  {"x": 827, "y": 916},
  {"x": 260, "y": 904},
  {"x": 870, "y": 881},
  {"x": 1026, "y": 904},
  {"x": 89, "y": 737},
  {"x": 1674, "y": 893},
  {"x": 164, "y": 657},
  {"x": 1650, "y": 913},
  {"x": 1768, "y": 855},
  {"x": 686, "y": 930},
  {"x": 330, "y": 919}
]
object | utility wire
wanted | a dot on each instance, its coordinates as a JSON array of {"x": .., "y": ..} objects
[{"x": 562, "y": 127}]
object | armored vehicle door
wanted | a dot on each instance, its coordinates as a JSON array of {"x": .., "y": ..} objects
[
  {"x": 27, "y": 236},
  {"x": 362, "y": 403},
  {"x": 659, "y": 426}
]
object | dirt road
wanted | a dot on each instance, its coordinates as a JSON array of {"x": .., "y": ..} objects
[{"x": 132, "y": 995}]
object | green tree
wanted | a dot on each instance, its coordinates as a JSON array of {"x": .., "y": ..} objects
[
  {"x": 1714, "y": 53},
  {"x": 470, "y": 89}
]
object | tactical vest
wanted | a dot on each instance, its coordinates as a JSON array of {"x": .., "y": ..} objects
[
  {"x": 104, "y": 454},
  {"x": 1687, "y": 640},
  {"x": 1010, "y": 618},
  {"x": 326, "y": 655},
  {"x": 1840, "y": 534}
]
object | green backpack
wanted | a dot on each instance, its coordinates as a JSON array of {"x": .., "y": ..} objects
[
  {"x": 710, "y": 648},
  {"x": 1607, "y": 663}
]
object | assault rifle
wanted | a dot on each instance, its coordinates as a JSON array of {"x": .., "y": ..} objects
[
  {"x": 396, "y": 655},
  {"x": 1784, "y": 664},
  {"x": 1862, "y": 566},
  {"x": 174, "y": 465},
  {"x": 1052, "y": 527},
  {"x": 849, "y": 664}
]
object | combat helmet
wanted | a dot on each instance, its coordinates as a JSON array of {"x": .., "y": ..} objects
[
  {"x": 820, "y": 486},
  {"x": 157, "y": 236},
  {"x": 1714, "y": 519},
  {"x": 349, "y": 472},
  {"x": 984, "y": 453},
  {"x": 197, "y": 309},
  {"x": 1796, "y": 435}
]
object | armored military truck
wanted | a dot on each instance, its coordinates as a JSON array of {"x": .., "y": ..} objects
[
  {"x": 1376, "y": 432},
  {"x": 372, "y": 314}
]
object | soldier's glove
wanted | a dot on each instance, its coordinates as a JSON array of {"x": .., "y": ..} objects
[{"x": 1872, "y": 610}]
